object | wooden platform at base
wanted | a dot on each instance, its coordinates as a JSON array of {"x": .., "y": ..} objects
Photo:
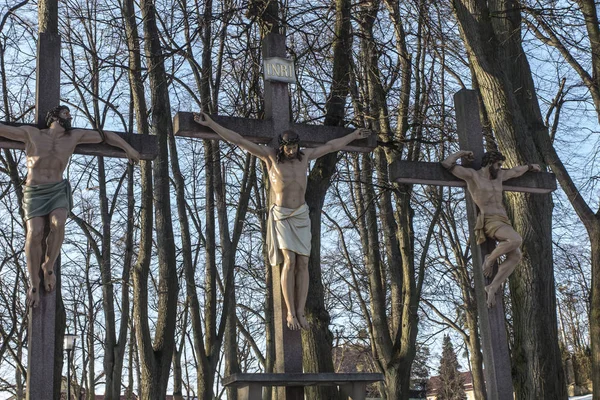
[{"x": 250, "y": 386}]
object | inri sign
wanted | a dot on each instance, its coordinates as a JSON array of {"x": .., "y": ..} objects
[{"x": 279, "y": 69}]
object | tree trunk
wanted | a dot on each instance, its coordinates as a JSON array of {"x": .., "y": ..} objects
[
  {"x": 91, "y": 321},
  {"x": 589, "y": 8},
  {"x": 156, "y": 357},
  {"x": 394, "y": 336},
  {"x": 595, "y": 308},
  {"x": 177, "y": 376}
]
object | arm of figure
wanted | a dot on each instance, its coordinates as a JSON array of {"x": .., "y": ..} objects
[
  {"x": 518, "y": 171},
  {"x": 18, "y": 133},
  {"x": 459, "y": 171},
  {"x": 337, "y": 144},
  {"x": 92, "y": 137},
  {"x": 230, "y": 136}
]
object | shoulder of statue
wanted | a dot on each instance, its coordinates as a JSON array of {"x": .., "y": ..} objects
[{"x": 33, "y": 130}]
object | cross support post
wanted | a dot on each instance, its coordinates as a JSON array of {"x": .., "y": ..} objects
[
  {"x": 492, "y": 325},
  {"x": 288, "y": 343},
  {"x": 44, "y": 334}
]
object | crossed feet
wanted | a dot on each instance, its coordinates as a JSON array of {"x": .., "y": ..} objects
[
  {"x": 490, "y": 295},
  {"x": 297, "y": 321},
  {"x": 33, "y": 295},
  {"x": 490, "y": 291}
]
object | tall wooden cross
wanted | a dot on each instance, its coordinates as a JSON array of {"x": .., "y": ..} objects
[
  {"x": 47, "y": 321},
  {"x": 496, "y": 356},
  {"x": 288, "y": 344}
]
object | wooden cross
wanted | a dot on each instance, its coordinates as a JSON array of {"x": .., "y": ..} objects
[
  {"x": 47, "y": 321},
  {"x": 288, "y": 343},
  {"x": 496, "y": 357}
]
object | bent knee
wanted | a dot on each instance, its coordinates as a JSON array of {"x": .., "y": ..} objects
[
  {"x": 516, "y": 254},
  {"x": 518, "y": 241}
]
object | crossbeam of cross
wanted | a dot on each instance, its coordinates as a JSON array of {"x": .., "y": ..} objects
[
  {"x": 264, "y": 131},
  {"x": 146, "y": 145}
]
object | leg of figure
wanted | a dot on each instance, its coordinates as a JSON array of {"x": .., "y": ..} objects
[
  {"x": 288, "y": 283},
  {"x": 508, "y": 240},
  {"x": 301, "y": 289},
  {"x": 504, "y": 270},
  {"x": 33, "y": 255},
  {"x": 58, "y": 218}
]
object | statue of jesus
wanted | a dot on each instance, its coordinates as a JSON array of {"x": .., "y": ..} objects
[
  {"x": 46, "y": 194},
  {"x": 485, "y": 187},
  {"x": 288, "y": 230}
]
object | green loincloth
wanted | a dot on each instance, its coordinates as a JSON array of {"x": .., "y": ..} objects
[
  {"x": 41, "y": 200},
  {"x": 288, "y": 229},
  {"x": 487, "y": 225}
]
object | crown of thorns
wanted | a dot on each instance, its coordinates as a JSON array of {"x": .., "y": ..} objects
[
  {"x": 492, "y": 157},
  {"x": 288, "y": 141}
]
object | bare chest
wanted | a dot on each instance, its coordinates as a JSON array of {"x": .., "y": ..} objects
[
  {"x": 486, "y": 189},
  {"x": 50, "y": 145},
  {"x": 288, "y": 172},
  {"x": 50, "y": 151}
]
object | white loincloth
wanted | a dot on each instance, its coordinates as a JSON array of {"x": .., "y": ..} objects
[{"x": 288, "y": 229}]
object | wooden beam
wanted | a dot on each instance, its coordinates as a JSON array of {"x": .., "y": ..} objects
[
  {"x": 46, "y": 325},
  {"x": 146, "y": 145},
  {"x": 261, "y": 131},
  {"x": 255, "y": 130},
  {"x": 431, "y": 173},
  {"x": 301, "y": 379}
]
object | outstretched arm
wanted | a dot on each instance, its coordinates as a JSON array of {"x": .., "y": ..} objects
[
  {"x": 518, "y": 171},
  {"x": 20, "y": 134},
  {"x": 259, "y": 151},
  {"x": 460, "y": 172},
  {"x": 337, "y": 144},
  {"x": 90, "y": 137}
]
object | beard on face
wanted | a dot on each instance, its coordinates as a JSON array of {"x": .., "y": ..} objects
[
  {"x": 290, "y": 154},
  {"x": 494, "y": 172},
  {"x": 65, "y": 123}
]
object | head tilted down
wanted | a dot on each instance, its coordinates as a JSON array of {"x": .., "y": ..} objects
[
  {"x": 494, "y": 159},
  {"x": 289, "y": 147},
  {"x": 62, "y": 114}
]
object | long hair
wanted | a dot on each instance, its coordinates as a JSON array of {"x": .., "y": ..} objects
[
  {"x": 288, "y": 138},
  {"x": 54, "y": 115}
]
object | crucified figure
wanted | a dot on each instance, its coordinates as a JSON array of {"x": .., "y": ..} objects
[
  {"x": 485, "y": 187},
  {"x": 288, "y": 230},
  {"x": 45, "y": 193}
]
